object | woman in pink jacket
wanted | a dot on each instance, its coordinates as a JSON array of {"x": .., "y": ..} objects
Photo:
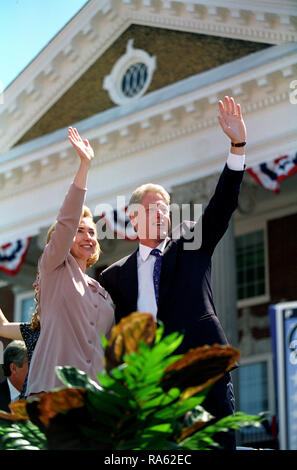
[{"x": 73, "y": 308}]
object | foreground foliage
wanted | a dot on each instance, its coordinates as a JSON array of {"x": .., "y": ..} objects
[{"x": 149, "y": 398}]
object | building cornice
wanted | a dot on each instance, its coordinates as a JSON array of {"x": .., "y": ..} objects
[{"x": 93, "y": 30}]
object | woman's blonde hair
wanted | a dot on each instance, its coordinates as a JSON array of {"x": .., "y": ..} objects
[
  {"x": 35, "y": 319},
  {"x": 86, "y": 213}
]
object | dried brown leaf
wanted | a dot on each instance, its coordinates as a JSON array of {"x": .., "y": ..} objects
[
  {"x": 18, "y": 411},
  {"x": 199, "y": 368},
  {"x": 189, "y": 430},
  {"x": 52, "y": 403},
  {"x": 125, "y": 337}
]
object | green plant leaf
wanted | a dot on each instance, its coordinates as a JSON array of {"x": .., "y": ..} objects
[
  {"x": 179, "y": 409},
  {"x": 107, "y": 403},
  {"x": 104, "y": 341},
  {"x": 204, "y": 437},
  {"x": 22, "y": 435},
  {"x": 74, "y": 378},
  {"x": 159, "y": 332},
  {"x": 162, "y": 400},
  {"x": 151, "y": 401}
]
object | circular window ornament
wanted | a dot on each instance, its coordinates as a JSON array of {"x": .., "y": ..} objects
[
  {"x": 130, "y": 76},
  {"x": 135, "y": 79}
]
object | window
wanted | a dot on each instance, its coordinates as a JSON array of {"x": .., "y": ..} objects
[
  {"x": 251, "y": 265},
  {"x": 256, "y": 394},
  {"x": 253, "y": 377},
  {"x": 134, "y": 79},
  {"x": 131, "y": 75},
  {"x": 24, "y": 306}
]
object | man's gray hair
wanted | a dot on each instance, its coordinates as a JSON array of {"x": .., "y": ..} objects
[
  {"x": 16, "y": 353},
  {"x": 144, "y": 189}
]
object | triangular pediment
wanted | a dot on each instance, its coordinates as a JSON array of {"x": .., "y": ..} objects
[
  {"x": 179, "y": 55},
  {"x": 101, "y": 30}
]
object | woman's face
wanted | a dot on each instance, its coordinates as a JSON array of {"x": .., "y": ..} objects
[{"x": 84, "y": 243}]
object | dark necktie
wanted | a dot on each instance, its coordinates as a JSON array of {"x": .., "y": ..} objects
[{"x": 157, "y": 271}]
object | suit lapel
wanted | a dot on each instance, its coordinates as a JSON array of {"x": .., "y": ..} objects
[
  {"x": 129, "y": 281},
  {"x": 129, "y": 276},
  {"x": 4, "y": 396}
]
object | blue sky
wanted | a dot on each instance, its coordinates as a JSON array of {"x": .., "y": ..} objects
[{"x": 26, "y": 27}]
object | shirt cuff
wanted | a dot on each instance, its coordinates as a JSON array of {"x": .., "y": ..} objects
[{"x": 235, "y": 162}]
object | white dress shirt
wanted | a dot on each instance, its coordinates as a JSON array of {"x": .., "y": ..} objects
[
  {"x": 146, "y": 301},
  {"x": 14, "y": 393},
  {"x": 235, "y": 162}
]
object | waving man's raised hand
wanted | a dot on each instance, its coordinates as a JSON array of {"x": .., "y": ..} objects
[{"x": 231, "y": 121}]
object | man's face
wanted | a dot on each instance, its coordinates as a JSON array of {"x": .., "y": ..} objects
[
  {"x": 18, "y": 375},
  {"x": 152, "y": 220}
]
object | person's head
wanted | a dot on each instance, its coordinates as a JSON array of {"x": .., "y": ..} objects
[
  {"x": 15, "y": 363},
  {"x": 85, "y": 244},
  {"x": 149, "y": 213},
  {"x": 85, "y": 247}
]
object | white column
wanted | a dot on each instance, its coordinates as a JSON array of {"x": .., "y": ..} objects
[{"x": 224, "y": 285}]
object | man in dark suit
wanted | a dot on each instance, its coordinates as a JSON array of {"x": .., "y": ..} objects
[
  {"x": 15, "y": 368},
  {"x": 182, "y": 299}
]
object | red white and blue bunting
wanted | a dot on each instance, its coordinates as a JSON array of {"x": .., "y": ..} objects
[
  {"x": 270, "y": 174},
  {"x": 12, "y": 256}
]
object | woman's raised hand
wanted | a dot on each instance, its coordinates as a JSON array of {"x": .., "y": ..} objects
[{"x": 83, "y": 148}]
